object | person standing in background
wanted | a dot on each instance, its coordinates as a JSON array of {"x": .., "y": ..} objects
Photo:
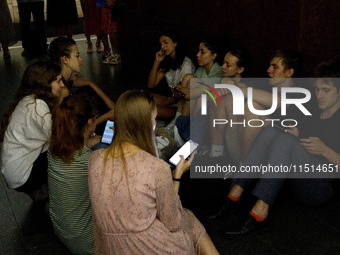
[
  {"x": 92, "y": 17},
  {"x": 7, "y": 33},
  {"x": 36, "y": 7},
  {"x": 69, "y": 17},
  {"x": 109, "y": 27}
]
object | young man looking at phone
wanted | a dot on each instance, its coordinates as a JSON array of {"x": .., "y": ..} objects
[{"x": 320, "y": 145}]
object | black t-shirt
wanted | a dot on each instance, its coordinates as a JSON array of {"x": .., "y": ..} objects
[{"x": 326, "y": 129}]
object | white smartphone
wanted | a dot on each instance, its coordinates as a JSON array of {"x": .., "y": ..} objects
[
  {"x": 186, "y": 150},
  {"x": 108, "y": 132}
]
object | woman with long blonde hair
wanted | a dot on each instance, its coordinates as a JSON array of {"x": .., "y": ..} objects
[{"x": 136, "y": 209}]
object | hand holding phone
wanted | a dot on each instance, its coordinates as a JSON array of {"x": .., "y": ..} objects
[{"x": 186, "y": 150}]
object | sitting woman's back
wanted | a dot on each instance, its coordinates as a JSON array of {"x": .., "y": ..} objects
[
  {"x": 135, "y": 207},
  {"x": 70, "y": 205}
]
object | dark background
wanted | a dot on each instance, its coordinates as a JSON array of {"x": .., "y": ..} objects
[{"x": 258, "y": 26}]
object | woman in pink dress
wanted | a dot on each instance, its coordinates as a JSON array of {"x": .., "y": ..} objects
[{"x": 136, "y": 209}]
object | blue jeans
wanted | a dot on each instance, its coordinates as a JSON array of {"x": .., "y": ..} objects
[
  {"x": 195, "y": 130},
  {"x": 274, "y": 147}
]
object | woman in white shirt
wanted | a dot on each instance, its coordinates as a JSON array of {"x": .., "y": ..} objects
[
  {"x": 26, "y": 129},
  {"x": 171, "y": 63}
]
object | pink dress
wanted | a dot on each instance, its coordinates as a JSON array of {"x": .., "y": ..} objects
[{"x": 153, "y": 222}]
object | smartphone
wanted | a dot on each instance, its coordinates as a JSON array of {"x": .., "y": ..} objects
[
  {"x": 108, "y": 132},
  {"x": 186, "y": 150}
]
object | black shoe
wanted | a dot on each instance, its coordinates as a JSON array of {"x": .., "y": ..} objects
[
  {"x": 247, "y": 225},
  {"x": 227, "y": 208}
]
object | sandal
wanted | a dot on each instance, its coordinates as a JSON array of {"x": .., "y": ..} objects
[
  {"x": 89, "y": 48},
  {"x": 113, "y": 60}
]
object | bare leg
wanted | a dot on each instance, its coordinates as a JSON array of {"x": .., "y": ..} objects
[
  {"x": 98, "y": 44},
  {"x": 207, "y": 246},
  {"x": 89, "y": 44},
  {"x": 236, "y": 191},
  {"x": 166, "y": 112},
  {"x": 114, "y": 40},
  {"x": 261, "y": 208},
  {"x": 106, "y": 44},
  {"x": 184, "y": 107},
  {"x": 248, "y": 134},
  {"x": 217, "y": 132}
]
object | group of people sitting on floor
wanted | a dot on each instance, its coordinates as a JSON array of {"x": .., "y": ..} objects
[{"x": 123, "y": 199}]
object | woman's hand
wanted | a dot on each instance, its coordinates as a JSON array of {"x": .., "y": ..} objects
[
  {"x": 160, "y": 55},
  {"x": 183, "y": 166},
  {"x": 176, "y": 93},
  {"x": 92, "y": 141}
]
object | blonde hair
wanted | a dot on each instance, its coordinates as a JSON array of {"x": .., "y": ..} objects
[{"x": 133, "y": 125}]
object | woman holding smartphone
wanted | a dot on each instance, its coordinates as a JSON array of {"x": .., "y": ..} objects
[
  {"x": 26, "y": 129},
  {"x": 172, "y": 64},
  {"x": 74, "y": 122},
  {"x": 136, "y": 209}
]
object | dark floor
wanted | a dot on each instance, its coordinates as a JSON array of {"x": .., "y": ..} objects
[{"x": 26, "y": 229}]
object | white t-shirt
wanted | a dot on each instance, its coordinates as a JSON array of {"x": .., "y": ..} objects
[
  {"x": 27, "y": 135},
  {"x": 173, "y": 77}
]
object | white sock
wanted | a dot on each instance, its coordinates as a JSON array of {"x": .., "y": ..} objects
[{"x": 217, "y": 150}]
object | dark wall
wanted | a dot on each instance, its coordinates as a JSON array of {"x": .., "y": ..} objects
[{"x": 259, "y": 26}]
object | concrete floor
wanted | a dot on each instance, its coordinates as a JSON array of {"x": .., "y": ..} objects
[{"x": 26, "y": 228}]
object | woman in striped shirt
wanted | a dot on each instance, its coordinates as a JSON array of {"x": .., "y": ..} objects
[{"x": 70, "y": 148}]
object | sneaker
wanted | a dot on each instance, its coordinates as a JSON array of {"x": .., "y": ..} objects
[{"x": 113, "y": 60}]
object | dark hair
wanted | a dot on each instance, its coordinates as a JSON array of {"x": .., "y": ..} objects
[
  {"x": 169, "y": 63},
  {"x": 36, "y": 81},
  {"x": 329, "y": 71},
  {"x": 212, "y": 45},
  {"x": 69, "y": 119},
  {"x": 243, "y": 60},
  {"x": 291, "y": 59},
  {"x": 60, "y": 47}
]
